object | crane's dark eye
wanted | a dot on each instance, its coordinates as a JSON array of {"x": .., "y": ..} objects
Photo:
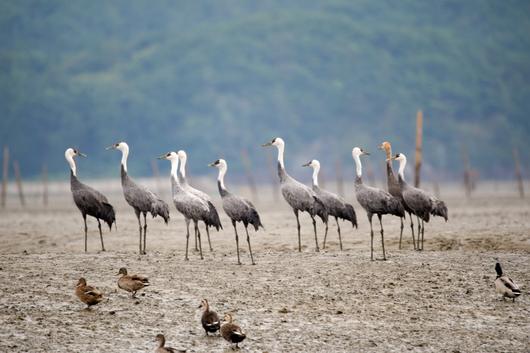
[
  {"x": 274, "y": 140},
  {"x": 168, "y": 155},
  {"x": 75, "y": 151},
  {"x": 217, "y": 162}
]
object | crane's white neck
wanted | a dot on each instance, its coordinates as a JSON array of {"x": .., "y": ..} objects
[
  {"x": 124, "y": 155},
  {"x": 316, "y": 169},
  {"x": 221, "y": 176},
  {"x": 402, "y": 164},
  {"x": 174, "y": 167},
  {"x": 183, "y": 159},
  {"x": 71, "y": 162},
  {"x": 358, "y": 166},
  {"x": 281, "y": 148}
]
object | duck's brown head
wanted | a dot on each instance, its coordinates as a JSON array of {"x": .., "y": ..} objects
[
  {"x": 228, "y": 318},
  {"x": 387, "y": 147},
  {"x": 204, "y": 304},
  {"x": 160, "y": 339},
  {"x": 122, "y": 271},
  {"x": 81, "y": 282}
]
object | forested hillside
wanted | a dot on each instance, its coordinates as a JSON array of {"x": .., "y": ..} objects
[{"x": 216, "y": 77}]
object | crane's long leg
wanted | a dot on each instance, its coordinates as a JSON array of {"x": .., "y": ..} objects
[
  {"x": 401, "y": 232},
  {"x": 412, "y": 230},
  {"x": 325, "y": 236},
  {"x": 249, "y": 248},
  {"x": 382, "y": 235},
  {"x": 199, "y": 238},
  {"x": 315, "y": 230},
  {"x": 196, "y": 246},
  {"x": 298, "y": 227},
  {"x": 86, "y": 231},
  {"x": 371, "y": 237},
  {"x": 338, "y": 230},
  {"x": 208, "y": 234},
  {"x": 419, "y": 232},
  {"x": 139, "y": 228},
  {"x": 145, "y": 232},
  {"x": 422, "y": 233},
  {"x": 237, "y": 242},
  {"x": 101, "y": 236},
  {"x": 187, "y": 238}
]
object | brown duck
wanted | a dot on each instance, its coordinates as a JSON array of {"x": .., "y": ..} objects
[
  {"x": 131, "y": 283},
  {"x": 232, "y": 332},
  {"x": 209, "y": 320},
  {"x": 87, "y": 294},
  {"x": 161, "y": 343}
]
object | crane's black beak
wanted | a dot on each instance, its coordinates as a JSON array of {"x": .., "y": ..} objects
[
  {"x": 306, "y": 165},
  {"x": 267, "y": 144}
]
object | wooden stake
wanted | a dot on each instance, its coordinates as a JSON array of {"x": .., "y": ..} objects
[
  {"x": 18, "y": 179},
  {"x": 5, "y": 174},
  {"x": 248, "y": 172},
  {"x": 156, "y": 174},
  {"x": 467, "y": 172},
  {"x": 340, "y": 178},
  {"x": 419, "y": 133},
  {"x": 274, "y": 177},
  {"x": 518, "y": 174},
  {"x": 45, "y": 184}
]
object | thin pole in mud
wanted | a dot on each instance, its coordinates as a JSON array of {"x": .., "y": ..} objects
[
  {"x": 18, "y": 179},
  {"x": 156, "y": 174},
  {"x": 45, "y": 184},
  {"x": 272, "y": 169},
  {"x": 419, "y": 140},
  {"x": 518, "y": 174},
  {"x": 340, "y": 177},
  {"x": 5, "y": 175},
  {"x": 467, "y": 171},
  {"x": 247, "y": 164}
]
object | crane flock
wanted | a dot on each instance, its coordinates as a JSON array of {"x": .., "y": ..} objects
[{"x": 197, "y": 206}]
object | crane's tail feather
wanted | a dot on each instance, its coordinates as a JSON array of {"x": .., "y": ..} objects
[
  {"x": 213, "y": 219},
  {"x": 160, "y": 208},
  {"x": 395, "y": 207},
  {"x": 348, "y": 213},
  {"x": 440, "y": 209},
  {"x": 108, "y": 215},
  {"x": 319, "y": 208},
  {"x": 255, "y": 220}
]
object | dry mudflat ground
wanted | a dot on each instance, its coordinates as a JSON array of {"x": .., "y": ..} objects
[{"x": 438, "y": 300}]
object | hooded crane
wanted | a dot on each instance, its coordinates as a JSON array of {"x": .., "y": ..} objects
[
  {"x": 89, "y": 201},
  {"x": 374, "y": 201},
  {"x": 139, "y": 197},
  {"x": 418, "y": 201},
  {"x": 298, "y": 196},
  {"x": 395, "y": 190},
  {"x": 191, "y": 206},
  {"x": 237, "y": 208},
  {"x": 335, "y": 205},
  {"x": 213, "y": 219}
]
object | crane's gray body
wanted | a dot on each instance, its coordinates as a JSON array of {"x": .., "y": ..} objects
[
  {"x": 336, "y": 206},
  {"x": 91, "y": 202},
  {"x": 142, "y": 199},
  {"x": 377, "y": 201},
  {"x": 239, "y": 209}
]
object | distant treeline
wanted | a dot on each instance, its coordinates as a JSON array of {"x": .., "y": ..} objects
[{"x": 217, "y": 77}]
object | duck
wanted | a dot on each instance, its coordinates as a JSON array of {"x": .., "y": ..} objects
[
  {"x": 232, "y": 332},
  {"x": 131, "y": 283},
  {"x": 161, "y": 339},
  {"x": 209, "y": 320},
  {"x": 504, "y": 284},
  {"x": 88, "y": 294}
]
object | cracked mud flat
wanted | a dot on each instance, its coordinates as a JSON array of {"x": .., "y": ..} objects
[{"x": 438, "y": 300}]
